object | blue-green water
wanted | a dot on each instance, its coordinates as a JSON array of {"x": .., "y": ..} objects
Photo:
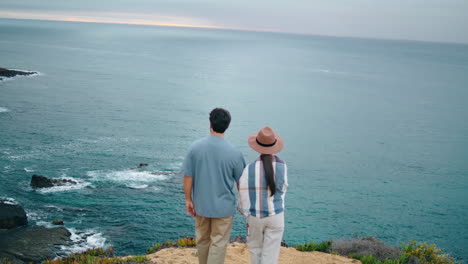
[{"x": 376, "y": 132}]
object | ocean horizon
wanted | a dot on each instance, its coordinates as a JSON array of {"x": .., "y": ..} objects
[{"x": 375, "y": 135}]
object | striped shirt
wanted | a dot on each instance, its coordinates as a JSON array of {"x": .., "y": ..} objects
[{"x": 254, "y": 195}]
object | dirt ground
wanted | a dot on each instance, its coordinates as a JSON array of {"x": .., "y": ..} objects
[{"x": 238, "y": 253}]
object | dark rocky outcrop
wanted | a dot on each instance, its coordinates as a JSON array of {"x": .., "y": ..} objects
[
  {"x": 141, "y": 165},
  {"x": 12, "y": 73},
  {"x": 39, "y": 181},
  {"x": 57, "y": 222},
  {"x": 32, "y": 244},
  {"x": 11, "y": 215}
]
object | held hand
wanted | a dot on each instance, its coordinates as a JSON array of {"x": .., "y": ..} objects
[{"x": 190, "y": 208}]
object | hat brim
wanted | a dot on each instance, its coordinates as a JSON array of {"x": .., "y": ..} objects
[{"x": 252, "y": 140}]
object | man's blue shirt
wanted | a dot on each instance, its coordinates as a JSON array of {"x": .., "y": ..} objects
[{"x": 215, "y": 166}]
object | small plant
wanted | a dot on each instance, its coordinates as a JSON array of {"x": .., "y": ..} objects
[
  {"x": 312, "y": 246},
  {"x": 366, "y": 247},
  {"x": 427, "y": 253},
  {"x": 154, "y": 248},
  {"x": 97, "y": 256},
  {"x": 6, "y": 261},
  {"x": 167, "y": 244},
  {"x": 186, "y": 242},
  {"x": 99, "y": 252},
  {"x": 369, "y": 259},
  {"x": 137, "y": 259}
]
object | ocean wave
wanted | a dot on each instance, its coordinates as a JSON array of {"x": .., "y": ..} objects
[
  {"x": 8, "y": 200},
  {"x": 4, "y": 110},
  {"x": 84, "y": 240},
  {"x": 7, "y": 168},
  {"x": 155, "y": 188},
  {"x": 28, "y": 170},
  {"x": 44, "y": 223},
  {"x": 136, "y": 186},
  {"x": 67, "y": 187},
  {"x": 18, "y": 156},
  {"x": 128, "y": 176},
  {"x": 54, "y": 207},
  {"x": 35, "y": 216}
]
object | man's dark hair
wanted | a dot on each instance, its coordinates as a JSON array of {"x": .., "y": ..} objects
[{"x": 220, "y": 119}]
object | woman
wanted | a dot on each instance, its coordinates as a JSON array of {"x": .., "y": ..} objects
[{"x": 262, "y": 188}]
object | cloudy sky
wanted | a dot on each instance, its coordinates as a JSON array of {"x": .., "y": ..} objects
[{"x": 428, "y": 20}]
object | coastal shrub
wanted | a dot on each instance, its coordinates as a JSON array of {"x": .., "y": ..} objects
[
  {"x": 368, "y": 259},
  {"x": 6, "y": 261},
  {"x": 159, "y": 246},
  {"x": 154, "y": 248},
  {"x": 137, "y": 259},
  {"x": 98, "y": 256},
  {"x": 366, "y": 246},
  {"x": 313, "y": 246},
  {"x": 427, "y": 253},
  {"x": 186, "y": 242}
]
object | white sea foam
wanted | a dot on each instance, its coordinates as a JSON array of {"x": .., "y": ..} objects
[
  {"x": 84, "y": 240},
  {"x": 67, "y": 187},
  {"x": 136, "y": 186},
  {"x": 54, "y": 207},
  {"x": 28, "y": 170},
  {"x": 155, "y": 188},
  {"x": 44, "y": 223},
  {"x": 26, "y": 156},
  {"x": 7, "y": 168},
  {"x": 322, "y": 70},
  {"x": 8, "y": 200},
  {"x": 127, "y": 176},
  {"x": 34, "y": 216},
  {"x": 4, "y": 110}
]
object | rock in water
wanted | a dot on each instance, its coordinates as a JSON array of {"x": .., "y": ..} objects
[
  {"x": 39, "y": 181},
  {"x": 32, "y": 244},
  {"x": 11, "y": 215},
  {"x": 12, "y": 73},
  {"x": 57, "y": 222}
]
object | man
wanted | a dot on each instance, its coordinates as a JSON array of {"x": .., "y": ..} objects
[{"x": 211, "y": 169}]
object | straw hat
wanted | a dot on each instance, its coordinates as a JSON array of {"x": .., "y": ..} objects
[{"x": 266, "y": 141}]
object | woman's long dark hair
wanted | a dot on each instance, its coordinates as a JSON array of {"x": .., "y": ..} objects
[{"x": 269, "y": 173}]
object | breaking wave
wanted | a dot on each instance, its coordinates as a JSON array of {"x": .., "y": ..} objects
[
  {"x": 4, "y": 110},
  {"x": 84, "y": 240},
  {"x": 67, "y": 187},
  {"x": 128, "y": 176}
]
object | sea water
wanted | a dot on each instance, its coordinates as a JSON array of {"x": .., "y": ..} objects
[{"x": 375, "y": 131}]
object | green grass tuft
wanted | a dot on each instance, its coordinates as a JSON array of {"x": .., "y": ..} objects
[
  {"x": 312, "y": 246},
  {"x": 182, "y": 242},
  {"x": 6, "y": 261},
  {"x": 98, "y": 256}
]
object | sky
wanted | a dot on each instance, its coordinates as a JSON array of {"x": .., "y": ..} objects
[{"x": 425, "y": 20}]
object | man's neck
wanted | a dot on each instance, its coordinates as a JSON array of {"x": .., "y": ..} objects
[{"x": 216, "y": 134}]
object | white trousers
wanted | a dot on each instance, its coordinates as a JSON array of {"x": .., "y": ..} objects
[{"x": 264, "y": 237}]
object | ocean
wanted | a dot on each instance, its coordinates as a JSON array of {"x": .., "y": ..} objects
[{"x": 375, "y": 131}]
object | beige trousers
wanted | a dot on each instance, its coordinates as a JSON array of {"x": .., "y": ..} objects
[
  {"x": 212, "y": 238},
  {"x": 264, "y": 237}
]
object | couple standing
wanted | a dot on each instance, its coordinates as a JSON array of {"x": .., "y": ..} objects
[{"x": 211, "y": 169}]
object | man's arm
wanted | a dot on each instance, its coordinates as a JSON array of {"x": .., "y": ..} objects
[
  {"x": 239, "y": 167},
  {"x": 188, "y": 196}
]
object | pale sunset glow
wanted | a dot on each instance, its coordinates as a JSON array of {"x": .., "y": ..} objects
[{"x": 118, "y": 18}]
